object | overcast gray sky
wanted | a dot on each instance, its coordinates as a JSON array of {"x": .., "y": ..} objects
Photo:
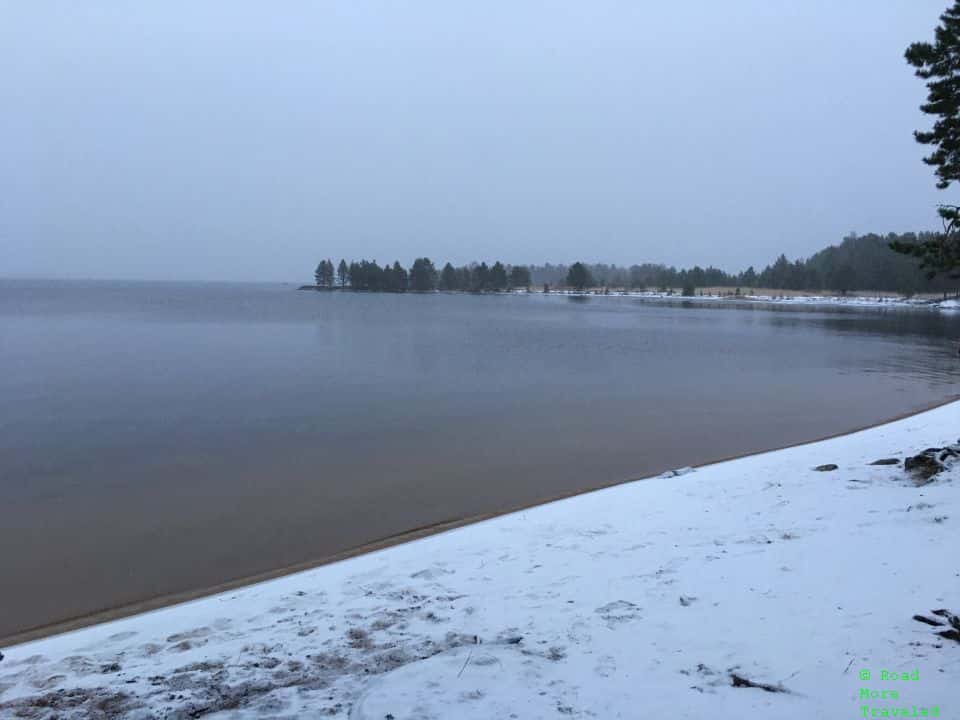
[{"x": 243, "y": 141}]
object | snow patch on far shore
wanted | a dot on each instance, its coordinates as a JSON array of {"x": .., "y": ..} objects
[
  {"x": 861, "y": 301},
  {"x": 754, "y": 587}
]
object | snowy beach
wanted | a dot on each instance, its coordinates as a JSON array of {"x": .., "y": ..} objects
[
  {"x": 757, "y": 585},
  {"x": 865, "y": 300}
]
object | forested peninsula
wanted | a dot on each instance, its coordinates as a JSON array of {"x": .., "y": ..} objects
[{"x": 859, "y": 263}]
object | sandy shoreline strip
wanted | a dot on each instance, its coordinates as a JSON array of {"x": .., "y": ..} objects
[
  {"x": 793, "y": 584},
  {"x": 774, "y": 583},
  {"x": 164, "y": 601}
]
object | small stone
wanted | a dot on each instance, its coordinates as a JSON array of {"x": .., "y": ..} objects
[
  {"x": 886, "y": 461},
  {"x": 950, "y": 635},
  {"x": 923, "y": 466},
  {"x": 825, "y": 468}
]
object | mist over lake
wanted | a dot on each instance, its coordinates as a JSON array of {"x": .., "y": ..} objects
[{"x": 160, "y": 437}]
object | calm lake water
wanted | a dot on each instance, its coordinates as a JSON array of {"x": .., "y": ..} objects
[{"x": 160, "y": 437}]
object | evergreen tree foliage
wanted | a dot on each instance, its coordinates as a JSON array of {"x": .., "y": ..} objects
[
  {"x": 578, "y": 276},
  {"x": 520, "y": 276},
  {"x": 464, "y": 278},
  {"x": 423, "y": 275},
  {"x": 859, "y": 263},
  {"x": 449, "y": 278},
  {"x": 498, "y": 276},
  {"x": 388, "y": 283},
  {"x": 393, "y": 278},
  {"x": 939, "y": 64},
  {"x": 401, "y": 276},
  {"x": 480, "y": 278},
  {"x": 366, "y": 275},
  {"x": 324, "y": 274},
  {"x": 877, "y": 267},
  {"x": 843, "y": 277}
]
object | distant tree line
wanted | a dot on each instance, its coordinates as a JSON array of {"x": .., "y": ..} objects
[
  {"x": 864, "y": 262},
  {"x": 421, "y": 277}
]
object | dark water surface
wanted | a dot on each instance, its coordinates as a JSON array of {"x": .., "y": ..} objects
[{"x": 161, "y": 437}]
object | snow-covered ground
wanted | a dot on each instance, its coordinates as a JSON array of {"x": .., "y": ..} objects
[
  {"x": 658, "y": 598},
  {"x": 879, "y": 301}
]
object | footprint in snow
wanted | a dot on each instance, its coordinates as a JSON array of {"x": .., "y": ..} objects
[
  {"x": 431, "y": 573},
  {"x": 618, "y": 612},
  {"x": 579, "y": 632},
  {"x": 606, "y": 666},
  {"x": 194, "y": 634},
  {"x": 465, "y": 682}
]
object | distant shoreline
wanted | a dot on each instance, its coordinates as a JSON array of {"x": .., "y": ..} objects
[{"x": 785, "y": 297}]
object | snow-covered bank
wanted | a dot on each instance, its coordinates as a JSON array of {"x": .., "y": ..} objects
[
  {"x": 861, "y": 301},
  {"x": 662, "y": 598}
]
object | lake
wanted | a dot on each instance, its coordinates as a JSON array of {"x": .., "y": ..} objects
[{"x": 157, "y": 438}]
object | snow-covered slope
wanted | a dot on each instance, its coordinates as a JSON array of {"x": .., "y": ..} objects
[{"x": 659, "y": 598}]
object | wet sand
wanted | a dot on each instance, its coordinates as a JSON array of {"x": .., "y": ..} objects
[{"x": 144, "y": 604}]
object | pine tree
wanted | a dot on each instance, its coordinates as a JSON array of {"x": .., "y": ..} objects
[
  {"x": 520, "y": 276},
  {"x": 343, "y": 273},
  {"x": 324, "y": 274},
  {"x": 481, "y": 278},
  {"x": 843, "y": 278},
  {"x": 939, "y": 64},
  {"x": 423, "y": 275},
  {"x": 578, "y": 276},
  {"x": 465, "y": 278},
  {"x": 449, "y": 279},
  {"x": 498, "y": 276},
  {"x": 388, "y": 281},
  {"x": 400, "y": 278}
]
